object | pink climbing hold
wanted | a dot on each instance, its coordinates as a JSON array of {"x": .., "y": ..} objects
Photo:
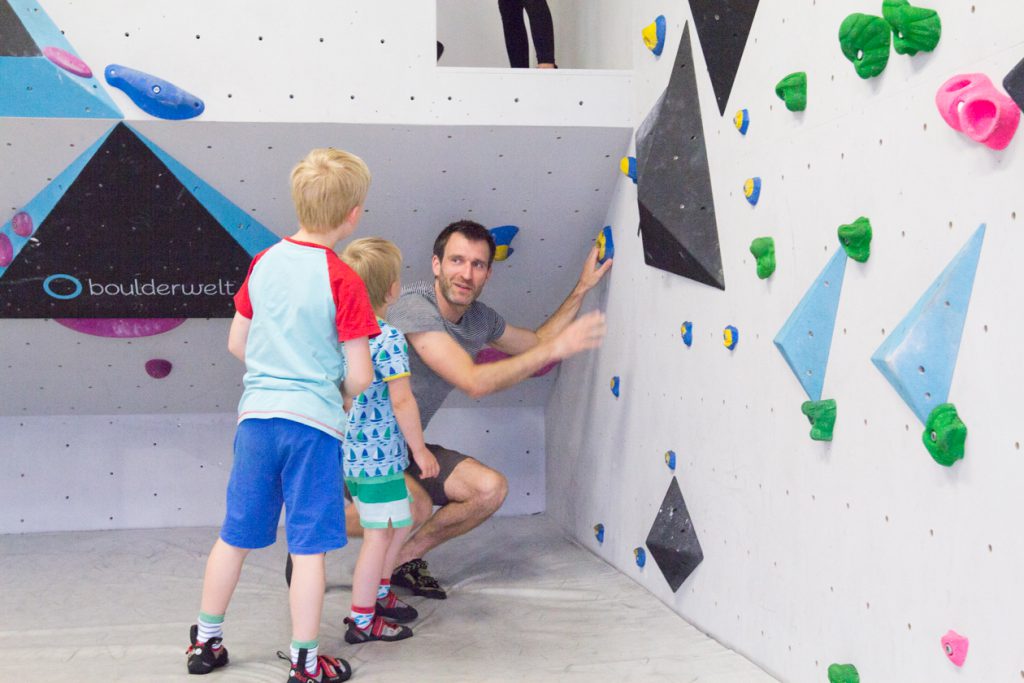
[
  {"x": 67, "y": 61},
  {"x": 158, "y": 368},
  {"x": 121, "y": 328},
  {"x": 489, "y": 355},
  {"x": 955, "y": 647},
  {"x": 6, "y": 251},
  {"x": 971, "y": 104},
  {"x": 21, "y": 224}
]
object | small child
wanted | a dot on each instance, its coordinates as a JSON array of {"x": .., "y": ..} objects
[
  {"x": 297, "y": 305},
  {"x": 383, "y": 419}
]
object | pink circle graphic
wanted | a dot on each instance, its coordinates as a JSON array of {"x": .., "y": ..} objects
[{"x": 121, "y": 328}]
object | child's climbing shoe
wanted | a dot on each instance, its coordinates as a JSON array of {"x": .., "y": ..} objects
[
  {"x": 328, "y": 669},
  {"x": 205, "y": 657},
  {"x": 395, "y": 610},
  {"x": 378, "y": 630}
]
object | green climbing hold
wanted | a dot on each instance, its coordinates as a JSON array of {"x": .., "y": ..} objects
[
  {"x": 763, "y": 249},
  {"x": 945, "y": 434},
  {"x": 865, "y": 40},
  {"x": 915, "y": 29},
  {"x": 843, "y": 673},
  {"x": 856, "y": 239},
  {"x": 822, "y": 415},
  {"x": 793, "y": 91}
]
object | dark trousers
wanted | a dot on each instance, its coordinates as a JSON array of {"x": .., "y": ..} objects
[{"x": 516, "y": 42}]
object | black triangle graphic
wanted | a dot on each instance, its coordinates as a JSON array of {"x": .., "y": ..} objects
[
  {"x": 133, "y": 238},
  {"x": 723, "y": 27},
  {"x": 15, "y": 40},
  {"x": 677, "y": 207}
]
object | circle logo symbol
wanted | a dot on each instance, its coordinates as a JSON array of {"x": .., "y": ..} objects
[{"x": 75, "y": 282}]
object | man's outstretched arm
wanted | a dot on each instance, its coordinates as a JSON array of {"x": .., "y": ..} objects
[
  {"x": 449, "y": 360},
  {"x": 517, "y": 340}
]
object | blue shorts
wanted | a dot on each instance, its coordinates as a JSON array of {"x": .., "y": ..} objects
[{"x": 277, "y": 462}]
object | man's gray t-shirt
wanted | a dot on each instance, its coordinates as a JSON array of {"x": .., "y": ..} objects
[{"x": 416, "y": 311}]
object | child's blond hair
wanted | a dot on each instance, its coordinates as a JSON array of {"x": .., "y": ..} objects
[
  {"x": 378, "y": 263},
  {"x": 326, "y": 186}
]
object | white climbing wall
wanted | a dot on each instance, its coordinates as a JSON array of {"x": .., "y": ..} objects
[
  {"x": 90, "y": 440},
  {"x": 863, "y": 550}
]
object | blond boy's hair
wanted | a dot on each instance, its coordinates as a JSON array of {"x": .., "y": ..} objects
[
  {"x": 378, "y": 263},
  {"x": 326, "y": 186}
]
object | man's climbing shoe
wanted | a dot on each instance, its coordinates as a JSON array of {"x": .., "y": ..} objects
[
  {"x": 204, "y": 657},
  {"x": 415, "y": 576},
  {"x": 378, "y": 630},
  {"x": 393, "y": 609}
]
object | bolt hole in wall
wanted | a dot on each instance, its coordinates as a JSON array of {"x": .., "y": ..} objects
[{"x": 588, "y": 34}]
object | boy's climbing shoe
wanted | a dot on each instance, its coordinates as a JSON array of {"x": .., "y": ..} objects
[
  {"x": 393, "y": 609},
  {"x": 205, "y": 657},
  {"x": 415, "y": 576},
  {"x": 378, "y": 630},
  {"x": 328, "y": 669}
]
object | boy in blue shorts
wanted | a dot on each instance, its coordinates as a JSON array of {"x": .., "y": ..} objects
[
  {"x": 382, "y": 421},
  {"x": 301, "y": 314}
]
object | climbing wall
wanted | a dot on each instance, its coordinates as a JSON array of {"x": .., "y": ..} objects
[
  {"x": 803, "y": 553},
  {"x": 117, "y": 398}
]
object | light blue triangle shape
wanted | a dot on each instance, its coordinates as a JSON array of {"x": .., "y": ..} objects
[
  {"x": 919, "y": 356},
  {"x": 42, "y": 204},
  {"x": 252, "y": 235},
  {"x": 36, "y": 87},
  {"x": 806, "y": 338}
]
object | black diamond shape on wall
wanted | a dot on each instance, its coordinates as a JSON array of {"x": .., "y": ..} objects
[
  {"x": 677, "y": 207},
  {"x": 673, "y": 540}
]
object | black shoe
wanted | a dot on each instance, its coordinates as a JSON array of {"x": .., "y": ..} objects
[
  {"x": 393, "y": 609},
  {"x": 379, "y": 630},
  {"x": 415, "y": 576},
  {"x": 205, "y": 657},
  {"x": 329, "y": 669}
]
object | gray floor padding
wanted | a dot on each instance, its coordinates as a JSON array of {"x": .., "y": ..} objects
[{"x": 525, "y": 604}]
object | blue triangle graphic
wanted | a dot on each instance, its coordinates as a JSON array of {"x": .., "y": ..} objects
[
  {"x": 806, "y": 338},
  {"x": 919, "y": 356},
  {"x": 42, "y": 204},
  {"x": 247, "y": 231},
  {"x": 36, "y": 87}
]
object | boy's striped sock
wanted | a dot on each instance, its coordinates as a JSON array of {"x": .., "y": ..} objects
[
  {"x": 210, "y": 626},
  {"x": 311, "y": 647},
  {"x": 362, "y": 616},
  {"x": 384, "y": 588}
]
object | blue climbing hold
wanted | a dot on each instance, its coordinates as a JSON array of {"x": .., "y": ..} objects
[
  {"x": 615, "y": 386},
  {"x": 730, "y": 337},
  {"x": 654, "y": 35},
  {"x": 628, "y": 167},
  {"x": 599, "y": 532},
  {"x": 752, "y": 190},
  {"x": 640, "y": 555},
  {"x": 919, "y": 356},
  {"x": 686, "y": 331},
  {"x": 503, "y": 235},
  {"x": 806, "y": 338},
  {"x": 153, "y": 95},
  {"x": 670, "y": 460},
  {"x": 742, "y": 121},
  {"x": 605, "y": 245}
]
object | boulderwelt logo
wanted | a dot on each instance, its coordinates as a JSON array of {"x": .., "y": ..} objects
[{"x": 64, "y": 287}]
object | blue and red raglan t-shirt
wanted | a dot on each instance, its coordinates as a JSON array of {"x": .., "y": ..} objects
[{"x": 304, "y": 302}]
